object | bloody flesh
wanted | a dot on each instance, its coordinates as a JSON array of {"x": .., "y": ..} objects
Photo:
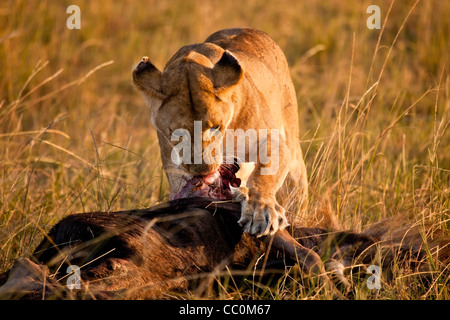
[{"x": 215, "y": 185}]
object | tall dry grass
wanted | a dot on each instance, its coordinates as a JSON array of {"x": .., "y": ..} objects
[{"x": 76, "y": 137}]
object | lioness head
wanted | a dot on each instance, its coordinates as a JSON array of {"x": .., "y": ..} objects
[{"x": 197, "y": 84}]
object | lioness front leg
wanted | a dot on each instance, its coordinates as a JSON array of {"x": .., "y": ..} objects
[{"x": 261, "y": 214}]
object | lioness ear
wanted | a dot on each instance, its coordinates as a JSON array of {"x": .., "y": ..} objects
[
  {"x": 147, "y": 78},
  {"x": 227, "y": 71}
]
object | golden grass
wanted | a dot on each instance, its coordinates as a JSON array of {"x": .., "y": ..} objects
[{"x": 76, "y": 137}]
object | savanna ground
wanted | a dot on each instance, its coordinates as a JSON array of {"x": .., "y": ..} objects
[{"x": 374, "y": 111}]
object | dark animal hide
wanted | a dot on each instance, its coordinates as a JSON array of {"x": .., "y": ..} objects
[{"x": 186, "y": 244}]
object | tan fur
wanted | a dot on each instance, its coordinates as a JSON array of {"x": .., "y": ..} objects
[{"x": 236, "y": 79}]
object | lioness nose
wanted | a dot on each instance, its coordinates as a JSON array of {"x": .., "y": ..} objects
[{"x": 200, "y": 169}]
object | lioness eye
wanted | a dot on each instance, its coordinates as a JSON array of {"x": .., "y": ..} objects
[{"x": 217, "y": 127}]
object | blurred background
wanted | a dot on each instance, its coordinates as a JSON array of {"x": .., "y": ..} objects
[{"x": 75, "y": 136}]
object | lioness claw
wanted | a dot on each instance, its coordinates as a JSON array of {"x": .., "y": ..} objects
[{"x": 261, "y": 218}]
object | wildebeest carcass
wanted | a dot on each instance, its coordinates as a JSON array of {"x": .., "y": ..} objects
[{"x": 182, "y": 247}]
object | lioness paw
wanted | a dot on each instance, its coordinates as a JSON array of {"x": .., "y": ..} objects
[{"x": 262, "y": 217}]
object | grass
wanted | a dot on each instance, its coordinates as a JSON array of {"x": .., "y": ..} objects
[{"x": 374, "y": 111}]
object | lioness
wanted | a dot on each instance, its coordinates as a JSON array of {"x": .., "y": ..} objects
[{"x": 236, "y": 79}]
